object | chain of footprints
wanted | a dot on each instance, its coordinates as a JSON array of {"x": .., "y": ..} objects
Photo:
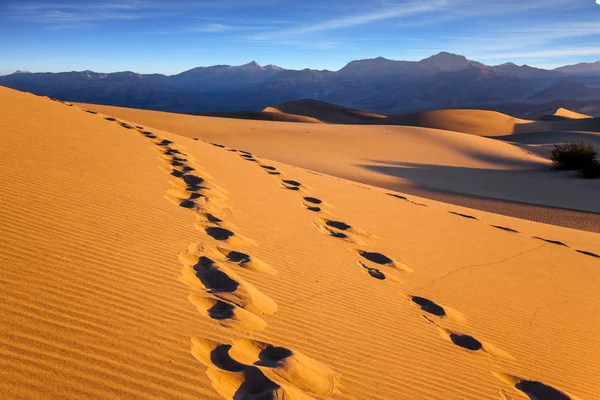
[
  {"x": 250, "y": 369},
  {"x": 245, "y": 369},
  {"x": 433, "y": 313}
]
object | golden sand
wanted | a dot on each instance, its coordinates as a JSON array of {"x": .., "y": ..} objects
[{"x": 140, "y": 263}]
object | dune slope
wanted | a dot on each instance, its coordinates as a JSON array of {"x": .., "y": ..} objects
[
  {"x": 563, "y": 112},
  {"x": 326, "y": 112},
  {"x": 142, "y": 264},
  {"x": 468, "y": 170}
]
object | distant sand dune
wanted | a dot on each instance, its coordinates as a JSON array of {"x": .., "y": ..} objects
[
  {"x": 268, "y": 114},
  {"x": 326, "y": 112},
  {"x": 489, "y": 123},
  {"x": 563, "y": 112}
]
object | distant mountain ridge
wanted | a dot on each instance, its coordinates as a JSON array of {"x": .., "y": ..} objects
[{"x": 379, "y": 85}]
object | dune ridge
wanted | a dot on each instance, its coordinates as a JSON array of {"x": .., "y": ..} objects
[
  {"x": 563, "y": 112},
  {"x": 399, "y": 297}
]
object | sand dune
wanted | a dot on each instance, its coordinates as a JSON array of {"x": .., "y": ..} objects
[
  {"x": 467, "y": 170},
  {"x": 543, "y": 142},
  {"x": 268, "y": 114},
  {"x": 326, "y": 112},
  {"x": 490, "y": 123},
  {"x": 476, "y": 122},
  {"x": 563, "y": 112},
  {"x": 139, "y": 263}
]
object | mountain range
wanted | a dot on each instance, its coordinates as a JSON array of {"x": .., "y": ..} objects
[{"x": 380, "y": 85}]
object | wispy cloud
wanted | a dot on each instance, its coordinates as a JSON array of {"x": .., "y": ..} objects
[
  {"x": 73, "y": 14},
  {"x": 212, "y": 28},
  {"x": 388, "y": 13}
]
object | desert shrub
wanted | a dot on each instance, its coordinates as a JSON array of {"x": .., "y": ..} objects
[
  {"x": 590, "y": 169},
  {"x": 573, "y": 156}
]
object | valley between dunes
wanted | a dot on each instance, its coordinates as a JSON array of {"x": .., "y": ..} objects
[{"x": 140, "y": 263}]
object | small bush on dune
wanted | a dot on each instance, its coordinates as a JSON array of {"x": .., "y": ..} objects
[
  {"x": 573, "y": 156},
  {"x": 591, "y": 169}
]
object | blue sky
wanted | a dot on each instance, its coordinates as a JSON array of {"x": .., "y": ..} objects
[{"x": 172, "y": 36}]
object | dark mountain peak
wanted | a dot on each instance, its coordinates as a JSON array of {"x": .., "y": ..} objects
[
  {"x": 445, "y": 56},
  {"x": 445, "y": 61},
  {"x": 252, "y": 65}
]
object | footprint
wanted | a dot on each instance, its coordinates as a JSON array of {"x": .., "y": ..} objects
[
  {"x": 234, "y": 380},
  {"x": 533, "y": 389},
  {"x": 429, "y": 306},
  {"x": 218, "y": 145},
  {"x": 505, "y": 228},
  {"x": 164, "y": 143},
  {"x": 284, "y": 366},
  {"x": 468, "y": 342},
  {"x": 291, "y": 182},
  {"x": 312, "y": 204},
  {"x": 91, "y": 111},
  {"x": 204, "y": 274},
  {"x": 224, "y": 235},
  {"x": 405, "y": 198},
  {"x": 110, "y": 119},
  {"x": 342, "y": 226},
  {"x": 195, "y": 138},
  {"x": 382, "y": 259},
  {"x": 227, "y": 314},
  {"x": 312, "y": 200},
  {"x": 324, "y": 229},
  {"x": 126, "y": 126},
  {"x": 588, "y": 253},
  {"x": 397, "y": 196},
  {"x": 463, "y": 215},
  {"x": 551, "y": 241},
  {"x": 339, "y": 229},
  {"x": 170, "y": 152},
  {"x": 139, "y": 127},
  {"x": 268, "y": 168},
  {"x": 218, "y": 233},
  {"x": 374, "y": 272},
  {"x": 238, "y": 258}
]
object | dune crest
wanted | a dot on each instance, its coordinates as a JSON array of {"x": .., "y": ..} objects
[{"x": 563, "y": 112}]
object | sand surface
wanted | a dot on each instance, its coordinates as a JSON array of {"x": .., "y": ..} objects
[
  {"x": 140, "y": 263},
  {"x": 563, "y": 112},
  {"x": 490, "y": 123},
  {"x": 467, "y": 170}
]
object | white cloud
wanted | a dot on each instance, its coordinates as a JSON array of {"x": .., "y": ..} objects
[
  {"x": 212, "y": 28},
  {"x": 393, "y": 12}
]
